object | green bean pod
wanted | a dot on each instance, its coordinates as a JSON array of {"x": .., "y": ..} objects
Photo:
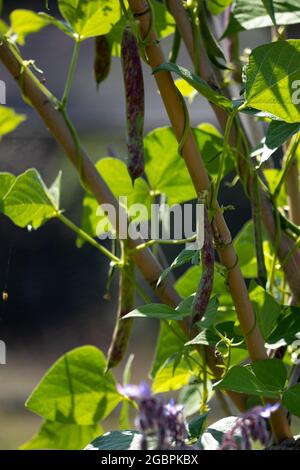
[
  {"x": 205, "y": 287},
  {"x": 102, "y": 60},
  {"x": 135, "y": 103},
  {"x": 122, "y": 331}
]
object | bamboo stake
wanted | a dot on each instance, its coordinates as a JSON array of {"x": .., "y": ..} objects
[{"x": 196, "y": 168}]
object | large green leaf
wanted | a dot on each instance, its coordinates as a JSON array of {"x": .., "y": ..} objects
[
  {"x": 279, "y": 132},
  {"x": 115, "y": 174},
  {"x": 170, "y": 342},
  {"x": 57, "y": 436},
  {"x": 286, "y": 329},
  {"x": 291, "y": 399},
  {"x": 24, "y": 22},
  {"x": 262, "y": 378},
  {"x": 90, "y": 18},
  {"x": 29, "y": 202},
  {"x": 169, "y": 175},
  {"x": 9, "y": 120},
  {"x": 267, "y": 310},
  {"x": 117, "y": 440},
  {"x": 76, "y": 389},
  {"x": 196, "y": 82},
  {"x": 251, "y": 15},
  {"x": 272, "y": 71}
]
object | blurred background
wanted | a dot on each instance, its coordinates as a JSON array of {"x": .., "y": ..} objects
[{"x": 56, "y": 290}]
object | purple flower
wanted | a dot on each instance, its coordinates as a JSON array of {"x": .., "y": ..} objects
[
  {"x": 252, "y": 426},
  {"x": 164, "y": 422}
]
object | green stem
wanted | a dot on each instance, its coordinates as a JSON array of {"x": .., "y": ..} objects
[
  {"x": 70, "y": 74},
  {"x": 289, "y": 158},
  {"x": 196, "y": 36},
  {"x": 175, "y": 47},
  {"x": 229, "y": 124},
  {"x": 150, "y": 243},
  {"x": 87, "y": 238}
]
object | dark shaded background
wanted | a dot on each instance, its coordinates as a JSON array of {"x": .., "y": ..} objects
[{"x": 56, "y": 290}]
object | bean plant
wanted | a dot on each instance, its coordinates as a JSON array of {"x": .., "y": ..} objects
[{"x": 230, "y": 324}]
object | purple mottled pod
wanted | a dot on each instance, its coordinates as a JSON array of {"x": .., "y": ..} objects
[
  {"x": 122, "y": 331},
  {"x": 102, "y": 60},
  {"x": 203, "y": 294},
  {"x": 135, "y": 103}
]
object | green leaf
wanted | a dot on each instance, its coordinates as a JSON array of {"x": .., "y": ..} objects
[
  {"x": 267, "y": 310},
  {"x": 24, "y": 22},
  {"x": 168, "y": 379},
  {"x": 90, "y": 18},
  {"x": 210, "y": 143},
  {"x": 287, "y": 328},
  {"x": 57, "y": 436},
  {"x": 161, "y": 311},
  {"x": 185, "y": 256},
  {"x": 170, "y": 342},
  {"x": 62, "y": 25},
  {"x": 115, "y": 174},
  {"x": 269, "y": 6},
  {"x": 212, "y": 47},
  {"x": 196, "y": 82},
  {"x": 196, "y": 426},
  {"x": 29, "y": 202},
  {"x": 279, "y": 132},
  {"x": 9, "y": 120},
  {"x": 217, "y": 6},
  {"x": 291, "y": 399},
  {"x": 251, "y": 15},
  {"x": 270, "y": 76},
  {"x": 244, "y": 245},
  {"x": 169, "y": 175},
  {"x": 76, "y": 389},
  {"x": 6, "y": 182},
  {"x": 272, "y": 176},
  {"x": 263, "y": 378},
  {"x": 190, "y": 397},
  {"x": 213, "y": 437},
  {"x": 117, "y": 440},
  {"x": 209, "y": 337}
]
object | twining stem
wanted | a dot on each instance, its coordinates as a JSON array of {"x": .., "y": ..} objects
[
  {"x": 86, "y": 237},
  {"x": 220, "y": 175},
  {"x": 71, "y": 74}
]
